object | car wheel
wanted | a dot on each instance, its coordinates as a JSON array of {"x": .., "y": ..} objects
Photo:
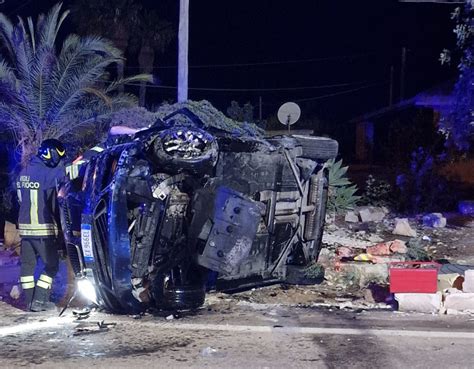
[
  {"x": 317, "y": 148},
  {"x": 171, "y": 294},
  {"x": 185, "y": 149}
]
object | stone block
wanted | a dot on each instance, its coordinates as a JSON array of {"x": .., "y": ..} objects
[
  {"x": 419, "y": 302},
  {"x": 468, "y": 285},
  {"x": 371, "y": 214},
  {"x": 403, "y": 228},
  {"x": 435, "y": 220},
  {"x": 351, "y": 217},
  {"x": 459, "y": 302}
]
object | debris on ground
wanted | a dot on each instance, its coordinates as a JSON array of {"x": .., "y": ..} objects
[
  {"x": 435, "y": 220},
  {"x": 15, "y": 292},
  {"x": 403, "y": 228}
]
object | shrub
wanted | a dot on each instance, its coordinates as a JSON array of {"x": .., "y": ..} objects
[
  {"x": 378, "y": 192},
  {"x": 341, "y": 189}
]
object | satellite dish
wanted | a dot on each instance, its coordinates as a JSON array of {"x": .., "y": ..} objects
[{"x": 289, "y": 113}]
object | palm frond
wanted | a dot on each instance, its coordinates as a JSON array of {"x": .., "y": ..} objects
[
  {"x": 48, "y": 27},
  {"x": 133, "y": 79}
]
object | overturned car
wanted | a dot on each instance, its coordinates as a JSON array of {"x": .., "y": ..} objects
[{"x": 163, "y": 215}]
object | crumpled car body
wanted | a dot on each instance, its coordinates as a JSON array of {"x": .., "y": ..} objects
[{"x": 164, "y": 215}]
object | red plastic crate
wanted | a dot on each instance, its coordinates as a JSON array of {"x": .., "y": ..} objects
[{"x": 413, "y": 277}]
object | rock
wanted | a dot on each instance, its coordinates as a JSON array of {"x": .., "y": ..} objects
[
  {"x": 466, "y": 207},
  {"x": 375, "y": 238},
  {"x": 435, "y": 220},
  {"x": 364, "y": 273},
  {"x": 419, "y": 302},
  {"x": 381, "y": 249},
  {"x": 351, "y": 217},
  {"x": 15, "y": 292},
  {"x": 402, "y": 228},
  {"x": 344, "y": 252},
  {"x": 459, "y": 302},
  {"x": 468, "y": 285},
  {"x": 398, "y": 247},
  {"x": 371, "y": 214}
]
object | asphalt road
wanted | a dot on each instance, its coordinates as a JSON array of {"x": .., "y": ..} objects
[{"x": 225, "y": 335}]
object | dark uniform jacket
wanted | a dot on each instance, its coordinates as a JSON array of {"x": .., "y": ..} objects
[{"x": 36, "y": 189}]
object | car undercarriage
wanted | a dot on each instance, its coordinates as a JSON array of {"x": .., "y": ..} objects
[{"x": 163, "y": 215}]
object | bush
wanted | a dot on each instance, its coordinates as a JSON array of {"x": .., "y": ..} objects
[
  {"x": 378, "y": 192},
  {"x": 341, "y": 189}
]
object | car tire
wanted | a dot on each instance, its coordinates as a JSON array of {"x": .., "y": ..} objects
[
  {"x": 173, "y": 162},
  {"x": 317, "y": 148},
  {"x": 183, "y": 298},
  {"x": 170, "y": 294}
]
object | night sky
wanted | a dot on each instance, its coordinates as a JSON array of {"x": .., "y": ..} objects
[{"x": 281, "y": 48}]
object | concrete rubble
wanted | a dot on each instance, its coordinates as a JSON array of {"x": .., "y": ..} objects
[
  {"x": 435, "y": 220},
  {"x": 459, "y": 302},
  {"x": 403, "y": 228},
  {"x": 358, "y": 251},
  {"x": 468, "y": 285},
  {"x": 419, "y": 302}
]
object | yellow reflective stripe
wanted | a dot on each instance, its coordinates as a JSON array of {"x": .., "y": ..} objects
[
  {"x": 27, "y": 286},
  {"x": 18, "y": 192},
  {"x": 38, "y": 233},
  {"x": 42, "y": 284},
  {"x": 37, "y": 226},
  {"x": 46, "y": 278},
  {"x": 97, "y": 148},
  {"x": 27, "y": 278},
  {"x": 34, "y": 207}
]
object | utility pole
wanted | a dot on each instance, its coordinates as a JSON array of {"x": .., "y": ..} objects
[
  {"x": 402, "y": 73},
  {"x": 183, "y": 37}
]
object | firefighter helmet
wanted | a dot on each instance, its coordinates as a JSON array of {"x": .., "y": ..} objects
[{"x": 51, "y": 151}]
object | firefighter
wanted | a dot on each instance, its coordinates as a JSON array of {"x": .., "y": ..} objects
[
  {"x": 36, "y": 188},
  {"x": 77, "y": 167}
]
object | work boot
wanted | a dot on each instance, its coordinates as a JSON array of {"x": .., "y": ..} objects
[
  {"x": 41, "y": 300},
  {"x": 28, "y": 297},
  {"x": 37, "y": 306}
]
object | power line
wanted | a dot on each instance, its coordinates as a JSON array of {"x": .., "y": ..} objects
[
  {"x": 294, "y": 61},
  {"x": 263, "y": 89},
  {"x": 340, "y": 92},
  {"x": 302, "y": 88}
]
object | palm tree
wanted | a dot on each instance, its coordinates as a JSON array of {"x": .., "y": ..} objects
[{"x": 50, "y": 91}]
